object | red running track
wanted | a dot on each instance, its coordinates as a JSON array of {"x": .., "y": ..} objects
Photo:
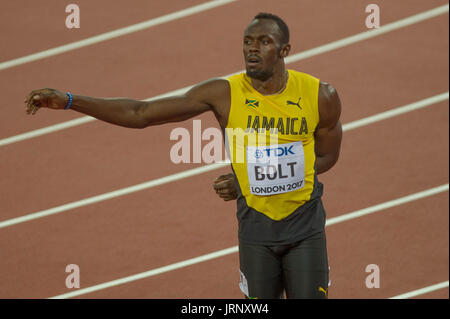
[{"x": 184, "y": 219}]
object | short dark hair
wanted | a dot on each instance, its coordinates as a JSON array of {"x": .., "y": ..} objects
[{"x": 281, "y": 24}]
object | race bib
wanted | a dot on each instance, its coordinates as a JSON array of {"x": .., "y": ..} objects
[{"x": 275, "y": 169}]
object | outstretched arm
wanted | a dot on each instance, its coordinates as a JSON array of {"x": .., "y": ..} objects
[
  {"x": 209, "y": 95},
  {"x": 328, "y": 133}
]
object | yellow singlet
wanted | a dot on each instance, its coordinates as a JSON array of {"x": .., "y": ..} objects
[{"x": 276, "y": 178}]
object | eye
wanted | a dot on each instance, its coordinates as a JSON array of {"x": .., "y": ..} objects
[{"x": 247, "y": 41}]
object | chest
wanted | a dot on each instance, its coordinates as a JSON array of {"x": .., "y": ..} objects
[{"x": 291, "y": 117}]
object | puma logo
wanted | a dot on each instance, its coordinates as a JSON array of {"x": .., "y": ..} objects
[
  {"x": 325, "y": 291},
  {"x": 293, "y": 103}
]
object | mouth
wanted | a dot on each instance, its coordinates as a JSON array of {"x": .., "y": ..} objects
[{"x": 253, "y": 60}]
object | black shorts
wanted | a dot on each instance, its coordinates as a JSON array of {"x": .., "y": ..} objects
[{"x": 300, "y": 270}]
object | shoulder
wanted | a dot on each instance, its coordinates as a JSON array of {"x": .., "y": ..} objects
[
  {"x": 210, "y": 91},
  {"x": 215, "y": 83},
  {"x": 327, "y": 93},
  {"x": 305, "y": 78},
  {"x": 215, "y": 94},
  {"x": 329, "y": 105}
]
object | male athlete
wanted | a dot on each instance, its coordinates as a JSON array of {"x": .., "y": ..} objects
[{"x": 282, "y": 245}]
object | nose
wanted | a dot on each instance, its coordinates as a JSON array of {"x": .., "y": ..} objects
[{"x": 254, "y": 47}]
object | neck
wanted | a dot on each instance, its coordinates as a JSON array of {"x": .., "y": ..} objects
[{"x": 275, "y": 84}]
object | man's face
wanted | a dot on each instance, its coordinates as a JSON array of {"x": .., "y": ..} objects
[{"x": 263, "y": 50}]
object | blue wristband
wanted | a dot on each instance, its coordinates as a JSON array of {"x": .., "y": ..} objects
[{"x": 69, "y": 103}]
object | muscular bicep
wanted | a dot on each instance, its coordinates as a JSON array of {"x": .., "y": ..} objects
[
  {"x": 171, "y": 109},
  {"x": 328, "y": 134},
  {"x": 199, "y": 99},
  {"x": 328, "y": 140}
]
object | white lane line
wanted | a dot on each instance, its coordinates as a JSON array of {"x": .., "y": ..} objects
[
  {"x": 291, "y": 59},
  {"x": 387, "y": 205},
  {"x": 425, "y": 15},
  {"x": 235, "y": 249},
  {"x": 150, "y": 273},
  {"x": 115, "y": 33},
  {"x": 397, "y": 111},
  {"x": 113, "y": 194},
  {"x": 46, "y": 130},
  {"x": 422, "y": 291},
  {"x": 209, "y": 167}
]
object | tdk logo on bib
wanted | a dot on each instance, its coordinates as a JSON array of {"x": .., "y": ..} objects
[
  {"x": 279, "y": 151},
  {"x": 275, "y": 169},
  {"x": 263, "y": 154},
  {"x": 259, "y": 154}
]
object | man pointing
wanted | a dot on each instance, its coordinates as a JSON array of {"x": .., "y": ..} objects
[{"x": 282, "y": 244}]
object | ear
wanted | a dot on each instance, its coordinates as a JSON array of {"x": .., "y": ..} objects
[{"x": 285, "y": 49}]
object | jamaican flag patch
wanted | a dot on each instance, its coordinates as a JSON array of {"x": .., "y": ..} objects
[{"x": 252, "y": 103}]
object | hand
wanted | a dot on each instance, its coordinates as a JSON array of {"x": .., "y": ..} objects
[
  {"x": 50, "y": 98},
  {"x": 225, "y": 187}
]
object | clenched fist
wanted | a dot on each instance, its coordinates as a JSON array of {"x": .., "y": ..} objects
[
  {"x": 225, "y": 187},
  {"x": 50, "y": 98}
]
